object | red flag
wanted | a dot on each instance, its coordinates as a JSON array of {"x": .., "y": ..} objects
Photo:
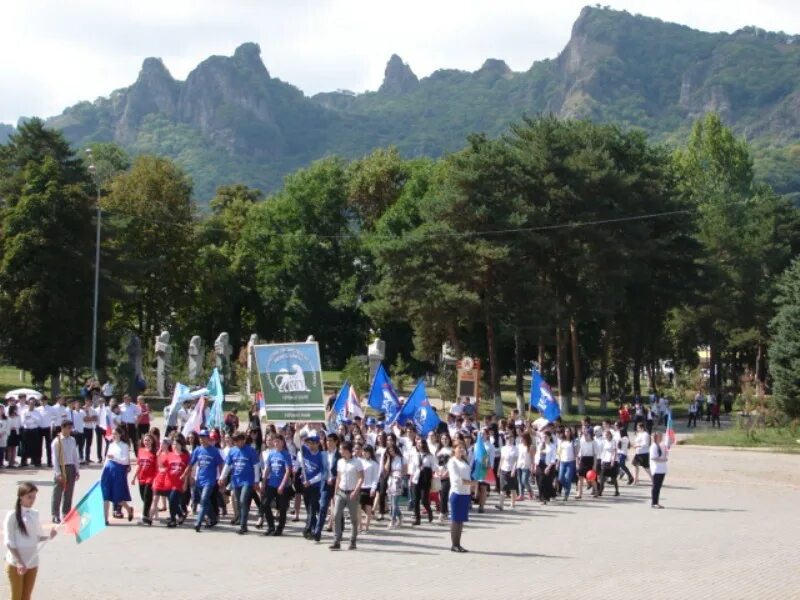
[{"x": 490, "y": 477}]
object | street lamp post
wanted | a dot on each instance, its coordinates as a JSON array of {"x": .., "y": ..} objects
[{"x": 93, "y": 170}]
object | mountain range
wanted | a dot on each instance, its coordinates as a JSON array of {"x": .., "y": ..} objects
[{"x": 231, "y": 121}]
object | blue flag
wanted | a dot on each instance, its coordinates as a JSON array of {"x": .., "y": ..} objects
[
  {"x": 542, "y": 397},
  {"x": 382, "y": 396},
  {"x": 480, "y": 463},
  {"x": 419, "y": 411},
  {"x": 215, "y": 392},
  {"x": 340, "y": 406}
]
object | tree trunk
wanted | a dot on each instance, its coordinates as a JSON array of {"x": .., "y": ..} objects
[
  {"x": 494, "y": 379},
  {"x": 604, "y": 391},
  {"x": 520, "y": 372},
  {"x": 577, "y": 379},
  {"x": 564, "y": 399},
  {"x": 637, "y": 372},
  {"x": 651, "y": 375},
  {"x": 712, "y": 368},
  {"x": 55, "y": 385},
  {"x": 540, "y": 354}
]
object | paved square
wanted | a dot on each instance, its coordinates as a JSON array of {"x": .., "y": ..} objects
[{"x": 730, "y": 530}]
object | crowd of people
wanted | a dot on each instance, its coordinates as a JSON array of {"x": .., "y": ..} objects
[{"x": 263, "y": 476}]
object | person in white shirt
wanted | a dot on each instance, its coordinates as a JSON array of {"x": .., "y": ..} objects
[
  {"x": 14, "y": 429},
  {"x": 443, "y": 454},
  {"x": 525, "y": 465},
  {"x": 349, "y": 476},
  {"x": 587, "y": 451},
  {"x": 89, "y": 415},
  {"x": 693, "y": 410},
  {"x": 659, "y": 455},
  {"x": 608, "y": 463},
  {"x": 107, "y": 390},
  {"x": 369, "y": 486},
  {"x": 22, "y": 533},
  {"x": 623, "y": 443},
  {"x": 509, "y": 454},
  {"x": 114, "y": 478},
  {"x": 641, "y": 458},
  {"x": 423, "y": 464},
  {"x": 566, "y": 462},
  {"x": 66, "y": 471},
  {"x": 75, "y": 415},
  {"x": 129, "y": 417},
  {"x": 31, "y": 420},
  {"x": 461, "y": 485},
  {"x": 545, "y": 461},
  {"x": 394, "y": 468},
  {"x": 5, "y": 428}
]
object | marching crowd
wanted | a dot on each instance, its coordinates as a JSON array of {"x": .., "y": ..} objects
[{"x": 371, "y": 472}]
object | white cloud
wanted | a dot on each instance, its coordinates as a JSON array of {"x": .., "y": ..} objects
[{"x": 56, "y": 53}]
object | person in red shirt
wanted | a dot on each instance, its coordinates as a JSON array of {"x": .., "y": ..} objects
[
  {"x": 177, "y": 460},
  {"x": 161, "y": 479},
  {"x": 146, "y": 470},
  {"x": 624, "y": 416}
]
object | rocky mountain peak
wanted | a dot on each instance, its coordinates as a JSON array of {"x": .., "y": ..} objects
[
  {"x": 494, "y": 68},
  {"x": 398, "y": 78},
  {"x": 248, "y": 56}
]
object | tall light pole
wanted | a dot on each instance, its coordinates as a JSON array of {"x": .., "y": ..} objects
[{"x": 93, "y": 170}]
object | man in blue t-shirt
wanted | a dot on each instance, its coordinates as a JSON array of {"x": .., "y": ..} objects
[
  {"x": 313, "y": 479},
  {"x": 243, "y": 466},
  {"x": 277, "y": 474},
  {"x": 208, "y": 460}
]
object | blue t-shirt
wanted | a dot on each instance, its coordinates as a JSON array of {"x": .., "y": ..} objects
[
  {"x": 278, "y": 462},
  {"x": 242, "y": 462},
  {"x": 312, "y": 466},
  {"x": 207, "y": 460}
]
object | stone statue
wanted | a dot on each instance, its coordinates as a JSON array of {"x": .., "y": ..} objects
[
  {"x": 250, "y": 361},
  {"x": 195, "y": 359},
  {"x": 376, "y": 352},
  {"x": 448, "y": 355},
  {"x": 163, "y": 364},
  {"x": 223, "y": 350},
  {"x": 134, "y": 350}
]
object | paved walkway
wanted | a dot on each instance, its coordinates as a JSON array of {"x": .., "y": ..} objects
[{"x": 730, "y": 531}]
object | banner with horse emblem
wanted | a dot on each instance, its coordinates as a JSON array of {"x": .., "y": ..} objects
[{"x": 291, "y": 381}]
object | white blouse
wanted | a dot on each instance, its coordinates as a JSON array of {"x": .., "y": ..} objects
[
  {"x": 370, "y": 474},
  {"x": 658, "y": 467},
  {"x": 524, "y": 459},
  {"x": 25, "y": 545},
  {"x": 609, "y": 451},
  {"x": 587, "y": 449},
  {"x": 508, "y": 458},
  {"x": 119, "y": 452},
  {"x": 458, "y": 471}
]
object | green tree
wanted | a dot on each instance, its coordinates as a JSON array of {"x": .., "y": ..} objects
[
  {"x": 305, "y": 260},
  {"x": 784, "y": 349},
  {"x": 46, "y": 253},
  {"x": 152, "y": 213}
]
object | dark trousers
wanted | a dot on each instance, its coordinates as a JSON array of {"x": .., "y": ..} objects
[
  {"x": 175, "y": 498},
  {"x": 133, "y": 434},
  {"x": 715, "y": 419},
  {"x": 325, "y": 499},
  {"x": 382, "y": 493},
  {"x": 32, "y": 446},
  {"x": 79, "y": 441},
  {"x": 658, "y": 481},
  {"x": 692, "y": 420},
  {"x": 444, "y": 496},
  {"x": 85, "y": 451},
  {"x": 146, "y": 494},
  {"x": 422, "y": 495},
  {"x": 47, "y": 436},
  {"x": 544, "y": 483},
  {"x": 282, "y": 503},
  {"x": 99, "y": 435},
  {"x": 311, "y": 497}
]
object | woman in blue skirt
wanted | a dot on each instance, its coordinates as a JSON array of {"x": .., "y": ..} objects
[
  {"x": 114, "y": 479},
  {"x": 460, "y": 494}
]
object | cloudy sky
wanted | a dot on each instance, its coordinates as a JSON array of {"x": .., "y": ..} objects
[{"x": 57, "y": 52}]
